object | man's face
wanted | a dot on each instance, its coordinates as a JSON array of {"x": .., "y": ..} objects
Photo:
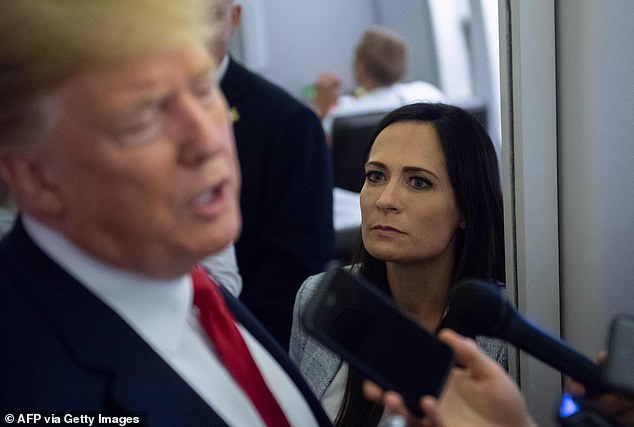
[{"x": 142, "y": 161}]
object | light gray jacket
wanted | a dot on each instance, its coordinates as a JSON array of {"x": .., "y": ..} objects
[{"x": 319, "y": 365}]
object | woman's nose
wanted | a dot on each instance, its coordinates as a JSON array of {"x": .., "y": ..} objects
[{"x": 388, "y": 199}]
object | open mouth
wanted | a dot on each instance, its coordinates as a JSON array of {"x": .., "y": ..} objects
[
  {"x": 211, "y": 201},
  {"x": 208, "y": 196}
]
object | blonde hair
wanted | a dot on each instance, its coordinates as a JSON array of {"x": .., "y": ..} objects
[
  {"x": 384, "y": 55},
  {"x": 45, "y": 42}
]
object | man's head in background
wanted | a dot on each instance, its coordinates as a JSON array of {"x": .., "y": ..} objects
[
  {"x": 227, "y": 14},
  {"x": 380, "y": 58}
]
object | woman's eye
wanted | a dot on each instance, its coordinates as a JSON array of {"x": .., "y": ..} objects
[
  {"x": 374, "y": 176},
  {"x": 419, "y": 182}
]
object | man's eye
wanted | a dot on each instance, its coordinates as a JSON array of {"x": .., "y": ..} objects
[
  {"x": 142, "y": 129},
  {"x": 204, "y": 91}
]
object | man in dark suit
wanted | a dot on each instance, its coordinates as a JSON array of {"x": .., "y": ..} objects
[
  {"x": 116, "y": 145},
  {"x": 286, "y": 197}
]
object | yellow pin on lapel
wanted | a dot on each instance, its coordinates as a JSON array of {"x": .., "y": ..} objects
[{"x": 235, "y": 116}]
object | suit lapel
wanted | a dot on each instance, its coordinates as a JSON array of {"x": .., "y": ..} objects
[
  {"x": 247, "y": 320},
  {"x": 322, "y": 365},
  {"x": 103, "y": 343},
  {"x": 232, "y": 84}
]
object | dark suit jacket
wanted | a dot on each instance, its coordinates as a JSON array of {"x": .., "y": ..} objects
[
  {"x": 286, "y": 196},
  {"x": 62, "y": 349}
]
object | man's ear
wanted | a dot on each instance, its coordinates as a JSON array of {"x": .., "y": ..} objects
[
  {"x": 236, "y": 17},
  {"x": 24, "y": 175}
]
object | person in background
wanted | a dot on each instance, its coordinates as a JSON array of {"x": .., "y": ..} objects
[
  {"x": 380, "y": 62},
  {"x": 286, "y": 198},
  {"x": 431, "y": 210},
  {"x": 116, "y": 145}
]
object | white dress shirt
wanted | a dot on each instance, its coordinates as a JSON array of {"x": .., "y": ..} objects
[
  {"x": 222, "y": 69},
  {"x": 383, "y": 99},
  {"x": 224, "y": 268},
  {"x": 160, "y": 311}
]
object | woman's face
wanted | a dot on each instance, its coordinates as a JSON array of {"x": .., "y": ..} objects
[{"x": 408, "y": 207}]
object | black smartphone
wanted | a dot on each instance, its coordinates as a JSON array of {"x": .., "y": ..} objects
[
  {"x": 358, "y": 322},
  {"x": 618, "y": 370}
]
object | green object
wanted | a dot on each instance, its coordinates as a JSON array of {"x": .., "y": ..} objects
[{"x": 308, "y": 92}]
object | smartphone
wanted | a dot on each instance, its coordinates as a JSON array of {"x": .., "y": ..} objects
[
  {"x": 349, "y": 315},
  {"x": 618, "y": 370}
]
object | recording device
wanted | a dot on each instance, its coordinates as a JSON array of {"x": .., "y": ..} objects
[
  {"x": 575, "y": 411},
  {"x": 478, "y": 308},
  {"x": 358, "y": 322},
  {"x": 618, "y": 371},
  {"x": 618, "y": 375}
]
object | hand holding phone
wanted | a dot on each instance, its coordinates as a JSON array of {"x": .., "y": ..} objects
[{"x": 360, "y": 324}]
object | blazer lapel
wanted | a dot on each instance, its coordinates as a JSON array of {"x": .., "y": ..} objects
[{"x": 321, "y": 367}]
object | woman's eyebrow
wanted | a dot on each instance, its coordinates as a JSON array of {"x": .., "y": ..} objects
[
  {"x": 417, "y": 169},
  {"x": 405, "y": 169},
  {"x": 376, "y": 164}
]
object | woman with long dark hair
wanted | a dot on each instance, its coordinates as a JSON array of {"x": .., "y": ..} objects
[{"x": 431, "y": 215}]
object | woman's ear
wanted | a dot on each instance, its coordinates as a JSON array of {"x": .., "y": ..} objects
[{"x": 25, "y": 177}]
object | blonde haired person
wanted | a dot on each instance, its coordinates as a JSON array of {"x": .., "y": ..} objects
[
  {"x": 116, "y": 144},
  {"x": 380, "y": 62}
]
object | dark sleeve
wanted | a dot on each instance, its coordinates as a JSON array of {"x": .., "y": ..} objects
[{"x": 297, "y": 235}]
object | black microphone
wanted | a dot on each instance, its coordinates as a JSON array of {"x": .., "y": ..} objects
[{"x": 478, "y": 308}]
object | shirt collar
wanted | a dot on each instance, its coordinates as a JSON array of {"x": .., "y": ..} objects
[
  {"x": 381, "y": 91},
  {"x": 156, "y": 309},
  {"x": 222, "y": 68}
]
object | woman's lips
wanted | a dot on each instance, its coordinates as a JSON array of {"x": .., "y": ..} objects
[{"x": 386, "y": 229}]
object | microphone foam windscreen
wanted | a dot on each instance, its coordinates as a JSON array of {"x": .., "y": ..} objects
[{"x": 476, "y": 308}]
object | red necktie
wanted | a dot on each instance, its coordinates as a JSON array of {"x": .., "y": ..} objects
[{"x": 217, "y": 321}]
